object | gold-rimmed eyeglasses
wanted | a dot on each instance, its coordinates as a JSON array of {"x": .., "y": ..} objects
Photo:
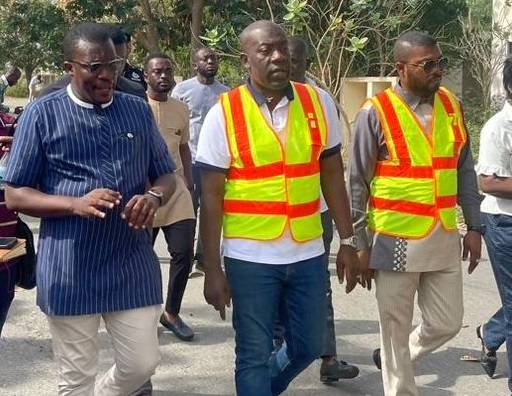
[{"x": 430, "y": 65}]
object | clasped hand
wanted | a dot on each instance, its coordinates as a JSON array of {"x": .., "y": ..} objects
[{"x": 139, "y": 212}]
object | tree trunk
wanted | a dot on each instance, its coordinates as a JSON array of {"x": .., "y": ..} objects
[
  {"x": 28, "y": 73},
  {"x": 151, "y": 36},
  {"x": 196, "y": 25},
  {"x": 382, "y": 56}
]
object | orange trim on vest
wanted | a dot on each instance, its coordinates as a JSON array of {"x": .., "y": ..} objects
[
  {"x": 271, "y": 208},
  {"x": 414, "y": 207},
  {"x": 310, "y": 112},
  {"x": 421, "y": 172},
  {"x": 250, "y": 170},
  {"x": 241, "y": 135},
  {"x": 447, "y": 104},
  {"x": 272, "y": 170},
  {"x": 395, "y": 129},
  {"x": 446, "y": 201},
  {"x": 414, "y": 172},
  {"x": 445, "y": 162}
]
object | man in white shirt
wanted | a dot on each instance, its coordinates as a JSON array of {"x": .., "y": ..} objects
[
  {"x": 495, "y": 173},
  {"x": 258, "y": 146},
  {"x": 35, "y": 81}
]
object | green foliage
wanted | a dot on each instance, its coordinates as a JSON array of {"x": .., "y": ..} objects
[
  {"x": 93, "y": 10},
  {"x": 295, "y": 10},
  {"x": 31, "y": 31},
  {"x": 358, "y": 33},
  {"x": 357, "y": 44},
  {"x": 214, "y": 37},
  {"x": 230, "y": 72}
]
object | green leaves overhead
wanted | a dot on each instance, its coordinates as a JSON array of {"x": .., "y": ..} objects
[
  {"x": 357, "y": 44},
  {"x": 31, "y": 31}
]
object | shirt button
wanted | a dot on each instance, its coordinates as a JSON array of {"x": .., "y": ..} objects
[{"x": 129, "y": 135}]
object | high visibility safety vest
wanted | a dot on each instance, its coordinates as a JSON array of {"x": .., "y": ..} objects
[
  {"x": 268, "y": 184},
  {"x": 417, "y": 186}
]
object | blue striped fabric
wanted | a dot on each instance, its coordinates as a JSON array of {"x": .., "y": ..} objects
[{"x": 61, "y": 147}]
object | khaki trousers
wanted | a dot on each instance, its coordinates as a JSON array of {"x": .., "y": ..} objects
[
  {"x": 440, "y": 303},
  {"x": 75, "y": 346}
]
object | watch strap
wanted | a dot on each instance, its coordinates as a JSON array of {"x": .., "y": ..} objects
[{"x": 156, "y": 195}]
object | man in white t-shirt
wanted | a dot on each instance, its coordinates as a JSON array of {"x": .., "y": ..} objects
[
  {"x": 263, "y": 150},
  {"x": 35, "y": 81},
  {"x": 495, "y": 173}
]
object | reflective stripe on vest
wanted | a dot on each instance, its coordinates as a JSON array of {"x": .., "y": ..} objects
[
  {"x": 417, "y": 185},
  {"x": 270, "y": 185}
]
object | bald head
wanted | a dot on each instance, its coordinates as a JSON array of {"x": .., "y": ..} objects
[
  {"x": 248, "y": 34},
  {"x": 298, "y": 46},
  {"x": 299, "y": 56},
  {"x": 200, "y": 51},
  {"x": 409, "y": 41},
  {"x": 266, "y": 57}
]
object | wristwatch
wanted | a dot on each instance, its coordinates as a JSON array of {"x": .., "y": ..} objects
[
  {"x": 350, "y": 241},
  {"x": 157, "y": 194}
]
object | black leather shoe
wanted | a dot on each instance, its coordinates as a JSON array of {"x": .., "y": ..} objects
[
  {"x": 488, "y": 359},
  {"x": 336, "y": 371},
  {"x": 180, "y": 329},
  {"x": 376, "y": 358}
]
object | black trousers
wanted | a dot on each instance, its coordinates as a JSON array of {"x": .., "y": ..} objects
[
  {"x": 196, "y": 199},
  {"x": 180, "y": 244}
]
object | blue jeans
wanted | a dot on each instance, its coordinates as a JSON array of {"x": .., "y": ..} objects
[
  {"x": 498, "y": 239},
  {"x": 329, "y": 348},
  {"x": 258, "y": 292}
]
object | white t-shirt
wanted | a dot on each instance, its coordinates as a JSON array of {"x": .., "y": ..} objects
[
  {"x": 34, "y": 81},
  {"x": 213, "y": 150},
  {"x": 495, "y": 157}
]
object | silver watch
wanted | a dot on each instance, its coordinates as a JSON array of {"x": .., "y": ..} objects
[
  {"x": 350, "y": 241},
  {"x": 156, "y": 194}
]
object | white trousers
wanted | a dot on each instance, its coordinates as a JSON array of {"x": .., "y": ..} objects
[
  {"x": 75, "y": 346},
  {"x": 441, "y": 306}
]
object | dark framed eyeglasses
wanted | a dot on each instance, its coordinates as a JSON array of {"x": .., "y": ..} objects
[
  {"x": 96, "y": 67},
  {"x": 430, "y": 65}
]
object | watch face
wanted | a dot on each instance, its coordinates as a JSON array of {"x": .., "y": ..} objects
[
  {"x": 156, "y": 193},
  {"x": 350, "y": 241}
]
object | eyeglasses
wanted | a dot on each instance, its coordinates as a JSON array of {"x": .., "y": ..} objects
[
  {"x": 96, "y": 67},
  {"x": 430, "y": 65}
]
